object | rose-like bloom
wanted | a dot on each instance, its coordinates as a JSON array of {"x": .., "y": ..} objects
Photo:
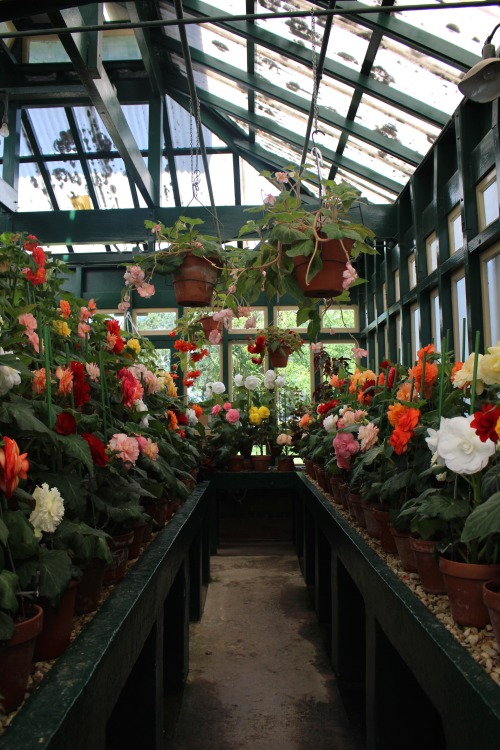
[
  {"x": 227, "y": 406},
  {"x": 38, "y": 278},
  {"x": 460, "y": 448},
  {"x": 64, "y": 309},
  {"x": 216, "y": 409},
  {"x": 28, "y": 320},
  {"x": 134, "y": 345},
  {"x": 132, "y": 390},
  {"x": 357, "y": 352},
  {"x": 284, "y": 439},
  {"x": 395, "y": 412},
  {"x": 304, "y": 421},
  {"x": 65, "y": 378},
  {"x": 349, "y": 276},
  {"x": 93, "y": 371},
  {"x": 345, "y": 446},
  {"x": 13, "y": 466},
  {"x": 134, "y": 275},
  {"x": 264, "y": 412},
  {"x": 61, "y": 328},
  {"x": 400, "y": 439},
  {"x": 9, "y": 377},
  {"x": 97, "y": 449},
  {"x": 232, "y": 416},
  {"x": 430, "y": 374},
  {"x": 191, "y": 417},
  {"x": 269, "y": 383},
  {"x": 489, "y": 366},
  {"x": 254, "y": 417},
  {"x": 39, "y": 381},
  {"x": 251, "y": 382},
  {"x": 82, "y": 330},
  {"x": 485, "y": 422},
  {"x": 141, "y": 406},
  {"x": 172, "y": 421},
  {"x": 432, "y": 442},
  {"x": 348, "y": 417},
  {"x": 81, "y": 389},
  {"x": 49, "y": 509},
  {"x": 65, "y": 424},
  {"x": 330, "y": 423},
  {"x": 368, "y": 436},
  {"x": 147, "y": 447},
  {"x": 218, "y": 387},
  {"x": 464, "y": 376},
  {"x": 125, "y": 446},
  {"x": 34, "y": 340},
  {"x": 39, "y": 256},
  {"x": 358, "y": 379},
  {"x": 84, "y": 314},
  {"x": 280, "y": 381},
  {"x": 123, "y": 306},
  {"x": 145, "y": 290},
  {"x": 215, "y": 337},
  {"x": 30, "y": 243}
]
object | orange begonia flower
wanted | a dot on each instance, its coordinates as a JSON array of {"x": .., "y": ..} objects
[
  {"x": 13, "y": 466},
  {"x": 64, "y": 308},
  {"x": 430, "y": 374},
  {"x": 65, "y": 377},
  {"x": 429, "y": 349},
  {"x": 395, "y": 412}
]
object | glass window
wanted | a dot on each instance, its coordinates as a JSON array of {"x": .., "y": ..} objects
[
  {"x": 397, "y": 288},
  {"x": 211, "y": 370},
  {"x": 286, "y": 317},
  {"x": 487, "y": 200},
  {"x": 339, "y": 318},
  {"x": 240, "y": 363},
  {"x": 399, "y": 341},
  {"x": 33, "y": 195},
  {"x": 298, "y": 383},
  {"x": 341, "y": 349},
  {"x": 151, "y": 321},
  {"x": 455, "y": 233},
  {"x": 432, "y": 251},
  {"x": 412, "y": 271},
  {"x": 435, "y": 319},
  {"x": 116, "y": 315},
  {"x": 238, "y": 324},
  {"x": 491, "y": 297},
  {"x": 415, "y": 331},
  {"x": 384, "y": 296},
  {"x": 163, "y": 359},
  {"x": 459, "y": 301}
]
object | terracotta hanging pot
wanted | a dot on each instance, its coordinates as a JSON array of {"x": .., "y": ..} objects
[
  {"x": 464, "y": 586},
  {"x": 328, "y": 281},
  {"x": 491, "y": 598},
  {"x": 194, "y": 282},
  {"x": 16, "y": 658},
  {"x": 427, "y": 562},
  {"x": 209, "y": 324},
  {"x": 57, "y": 625},
  {"x": 279, "y": 358}
]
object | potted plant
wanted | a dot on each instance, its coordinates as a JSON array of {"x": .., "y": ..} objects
[
  {"x": 306, "y": 249},
  {"x": 278, "y": 342},
  {"x": 194, "y": 259},
  {"x": 285, "y": 462}
]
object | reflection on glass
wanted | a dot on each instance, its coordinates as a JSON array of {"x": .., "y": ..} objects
[
  {"x": 436, "y": 321},
  {"x": 432, "y": 246},
  {"x": 33, "y": 195}
]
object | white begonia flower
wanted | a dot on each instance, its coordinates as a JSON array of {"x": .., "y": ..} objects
[
  {"x": 9, "y": 377},
  {"x": 238, "y": 380},
  {"x": 191, "y": 417},
  {"x": 460, "y": 448},
  {"x": 208, "y": 390},
  {"x": 441, "y": 477},
  {"x": 432, "y": 443},
  {"x": 218, "y": 387},
  {"x": 49, "y": 509},
  {"x": 139, "y": 405},
  {"x": 280, "y": 381},
  {"x": 270, "y": 374},
  {"x": 330, "y": 423},
  {"x": 269, "y": 382},
  {"x": 251, "y": 382}
]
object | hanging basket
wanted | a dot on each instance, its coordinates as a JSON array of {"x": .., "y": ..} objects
[
  {"x": 279, "y": 358},
  {"x": 194, "y": 282},
  {"x": 209, "y": 324},
  {"x": 328, "y": 281}
]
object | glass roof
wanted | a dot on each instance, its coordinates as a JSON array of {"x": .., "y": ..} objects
[{"x": 387, "y": 86}]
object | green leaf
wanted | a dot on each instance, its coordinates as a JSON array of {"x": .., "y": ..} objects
[
  {"x": 7, "y": 627},
  {"x": 22, "y": 414},
  {"x": 484, "y": 520},
  {"x": 77, "y": 447},
  {"x": 55, "y": 573},
  {"x": 9, "y": 585},
  {"x": 4, "y": 532},
  {"x": 22, "y": 539}
]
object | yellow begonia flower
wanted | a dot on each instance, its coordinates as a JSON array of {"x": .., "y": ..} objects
[
  {"x": 264, "y": 412},
  {"x": 61, "y": 327},
  {"x": 488, "y": 369},
  {"x": 134, "y": 345},
  {"x": 255, "y": 418},
  {"x": 253, "y": 410},
  {"x": 464, "y": 376}
]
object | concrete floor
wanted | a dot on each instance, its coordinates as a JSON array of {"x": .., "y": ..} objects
[{"x": 259, "y": 673}]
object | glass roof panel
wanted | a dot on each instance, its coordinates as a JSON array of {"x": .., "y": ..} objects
[
  {"x": 167, "y": 193},
  {"x": 69, "y": 185},
  {"x": 111, "y": 183},
  {"x": 137, "y": 116},
  {"x": 221, "y": 175},
  {"x": 51, "y": 128},
  {"x": 382, "y": 163},
  {"x": 32, "y": 192},
  {"x": 93, "y": 134},
  {"x": 25, "y": 147},
  {"x": 183, "y": 128}
]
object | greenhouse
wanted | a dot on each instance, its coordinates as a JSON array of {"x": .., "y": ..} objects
[{"x": 250, "y": 375}]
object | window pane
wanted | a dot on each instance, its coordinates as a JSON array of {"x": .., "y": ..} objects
[
  {"x": 490, "y": 200},
  {"x": 237, "y": 324},
  {"x": 432, "y": 246},
  {"x": 415, "y": 332},
  {"x": 33, "y": 194},
  {"x": 337, "y": 318},
  {"x": 297, "y": 388},
  {"x": 155, "y": 320},
  {"x": 288, "y": 319},
  {"x": 493, "y": 294},
  {"x": 163, "y": 358},
  {"x": 460, "y": 305},
  {"x": 210, "y": 371},
  {"x": 436, "y": 321}
]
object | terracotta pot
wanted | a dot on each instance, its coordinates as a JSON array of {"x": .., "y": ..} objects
[
  {"x": 386, "y": 539},
  {"x": 135, "y": 548},
  {"x": 491, "y": 598},
  {"x": 235, "y": 463},
  {"x": 344, "y": 495},
  {"x": 286, "y": 463},
  {"x": 119, "y": 546},
  {"x": 209, "y": 324},
  {"x": 157, "y": 510},
  {"x": 261, "y": 463},
  {"x": 247, "y": 464},
  {"x": 16, "y": 658},
  {"x": 57, "y": 625},
  {"x": 335, "y": 482},
  {"x": 89, "y": 591},
  {"x": 194, "y": 282},
  {"x": 427, "y": 562},
  {"x": 464, "y": 586},
  {"x": 321, "y": 478},
  {"x": 355, "y": 501},
  {"x": 372, "y": 525},
  {"x": 405, "y": 552},
  {"x": 328, "y": 281},
  {"x": 309, "y": 467},
  {"x": 279, "y": 358}
]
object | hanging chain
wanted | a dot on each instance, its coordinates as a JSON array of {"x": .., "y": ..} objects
[
  {"x": 194, "y": 155},
  {"x": 315, "y": 151}
]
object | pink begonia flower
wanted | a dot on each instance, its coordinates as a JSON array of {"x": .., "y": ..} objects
[
  {"x": 156, "y": 229},
  {"x": 123, "y": 306},
  {"x": 231, "y": 289},
  {"x": 317, "y": 347},
  {"x": 215, "y": 337},
  {"x": 34, "y": 340},
  {"x": 284, "y": 439},
  {"x": 152, "y": 384},
  {"x": 368, "y": 436},
  {"x": 148, "y": 447},
  {"x": 126, "y": 447},
  {"x": 269, "y": 200},
  {"x": 216, "y": 409},
  {"x": 93, "y": 371},
  {"x": 225, "y": 316},
  {"x": 232, "y": 416},
  {"x": 345, "y": 446},
  {"x": 281, "y": 177},
  {"x": 348, "y": 417},
  {"x": 85, "y": 314},
  {"x": 356, "y": 352},
  {"x": 145, "y": 290},
  {"x": 349, "y": 276},
  {"x": 251, "y": 322},
  {"x": 227, "y": 406},
  {"x": 243, "y": 312},
  {"x": 83, "y": 328},
  {"x": 134, "y": 276},
  {"x": 28, "y": 320}
]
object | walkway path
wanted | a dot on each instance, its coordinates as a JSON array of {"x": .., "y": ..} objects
[{"x": 259, "y": 673}]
